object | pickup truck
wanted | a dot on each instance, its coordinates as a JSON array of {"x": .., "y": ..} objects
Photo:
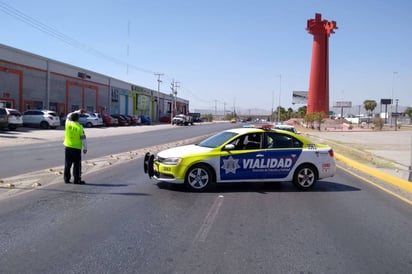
[{"x": 182, "y": 120}]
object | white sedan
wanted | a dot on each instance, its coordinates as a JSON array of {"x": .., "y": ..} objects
[{"x": 90, "y": 120}]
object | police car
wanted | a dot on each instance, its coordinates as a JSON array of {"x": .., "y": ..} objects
[{"x": 250, "y": 154}]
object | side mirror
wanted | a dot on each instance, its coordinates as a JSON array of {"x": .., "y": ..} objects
[{"x": 229, "y": 147}]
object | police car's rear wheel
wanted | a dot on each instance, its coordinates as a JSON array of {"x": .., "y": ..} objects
[
  {"x": 198, "y": 178},
  {"x": 305, "y": 177}
]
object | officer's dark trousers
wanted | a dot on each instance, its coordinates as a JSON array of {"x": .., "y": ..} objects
[{"x": 73, "y": 157}]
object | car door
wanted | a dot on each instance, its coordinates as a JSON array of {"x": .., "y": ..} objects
[
  {"x": 28, "y": 117},
  {"x": 245, "y": 161},
  {"x": 281, "y": 152}
]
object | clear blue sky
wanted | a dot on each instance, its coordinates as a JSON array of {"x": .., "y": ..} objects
[{"x": 224, "y": 53}]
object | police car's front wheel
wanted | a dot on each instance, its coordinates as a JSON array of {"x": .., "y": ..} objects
[
  {"x": 199, "y": 177},
  {"x": 305, "y": 177}
]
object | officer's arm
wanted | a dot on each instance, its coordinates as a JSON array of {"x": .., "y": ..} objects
[{"x": 84, "y": 142}]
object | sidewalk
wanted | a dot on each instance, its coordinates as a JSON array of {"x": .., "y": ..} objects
[
  {"x": 383, "y": 157},
  {"x": 389, "y": 151}
]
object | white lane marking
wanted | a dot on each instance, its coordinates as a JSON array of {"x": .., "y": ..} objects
[{"x": 201, "y": 235}]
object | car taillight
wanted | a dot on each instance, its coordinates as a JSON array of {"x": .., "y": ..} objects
[
  {"x": 50, "y": 117},
  {"x": 331, "y": 153}
]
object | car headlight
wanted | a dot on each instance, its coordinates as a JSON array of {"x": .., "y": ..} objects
[{"x": 171, "y": 161}]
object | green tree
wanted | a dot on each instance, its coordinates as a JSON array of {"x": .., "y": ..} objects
[
  {"x": 229, "y": 116},
  {"x": 301, "y": 112},
  {"x": 290, "y": 113},
  {"x": 315, "y": 117},
  {"x": 408, "y": 112},
  {"x": 207, "y": 117},
  {"x": 310, "y": 120},
  {"x": 280, "y": 114},
  {"x": 370, "y": 105},
  {"x": 319, "y": 118},
  {"x": 378, "y": 123}
]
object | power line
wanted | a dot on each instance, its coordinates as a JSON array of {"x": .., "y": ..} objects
[
  {"x": 62, "y": 37},
  {"x": 9, "y": 10}
]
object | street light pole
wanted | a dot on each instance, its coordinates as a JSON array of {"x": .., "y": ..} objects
[
  {"x": 280, "y": 92},
  {"x": 393, "y": 84},
  {"x": 396, "y": 115},
  {"x": 273, "y": 99}
]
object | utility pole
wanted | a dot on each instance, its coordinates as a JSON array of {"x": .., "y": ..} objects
[
  {"x": 158, "y": 95},
  {"x": 176, "y": 86},
  {"x": 172, "y": 87}
]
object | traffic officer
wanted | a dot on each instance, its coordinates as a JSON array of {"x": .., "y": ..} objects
[{"x": 74, "y": 141}]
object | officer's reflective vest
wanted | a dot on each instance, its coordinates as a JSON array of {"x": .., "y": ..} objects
[{"x": 74, "y": 132}]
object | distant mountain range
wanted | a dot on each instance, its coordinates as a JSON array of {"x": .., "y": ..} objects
[{"x": 240, "y": 111}]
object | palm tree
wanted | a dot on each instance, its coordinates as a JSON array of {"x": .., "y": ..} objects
[{"x": 369, "y": 105}]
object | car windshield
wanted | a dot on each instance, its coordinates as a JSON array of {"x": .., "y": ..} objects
[{"x": 217, "y": 140}]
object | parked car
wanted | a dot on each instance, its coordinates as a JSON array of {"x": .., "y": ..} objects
[
  {"x": 109, "y": 121},
  {"x": 129, "y": 120},
  {"x": 99, "y": 118},
  {"x": 165, "y": 119},
  {"x": 133, "y": 120},
  {"x": 4, "y": 122},
  {"x": 145, "y": 120},
  {"x": 41, "y": 118},
  {"x": 89, "y": 120},
  {"x": 287, "y": 128},
  {"x": 122, "y": 120},
  {"x": 15, "y": 118}
]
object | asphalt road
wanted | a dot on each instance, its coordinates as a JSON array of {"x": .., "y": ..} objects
[
  {"x": 123, "y": 222},
  {"x": 29, "y": 150}
]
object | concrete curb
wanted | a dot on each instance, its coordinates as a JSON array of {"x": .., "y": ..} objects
[{"x": 403, "y": 184}]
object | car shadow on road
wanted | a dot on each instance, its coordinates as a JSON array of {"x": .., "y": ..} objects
[{"x": 264, "y": 188}]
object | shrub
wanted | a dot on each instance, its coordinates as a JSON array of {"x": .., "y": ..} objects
[{"x": 378, "y": 123}]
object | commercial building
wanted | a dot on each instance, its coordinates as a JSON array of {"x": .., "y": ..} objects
[{"x": 29, "y": 81}]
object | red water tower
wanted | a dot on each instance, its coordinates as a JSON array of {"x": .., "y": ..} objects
[{"x": 318, "y": 96}]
